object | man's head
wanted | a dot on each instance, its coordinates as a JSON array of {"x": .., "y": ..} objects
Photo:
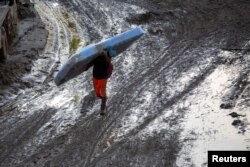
[{"x": 106, "y": 52}]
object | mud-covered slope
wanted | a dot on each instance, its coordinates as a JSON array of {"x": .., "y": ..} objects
[{"x": 169, "y": 98}]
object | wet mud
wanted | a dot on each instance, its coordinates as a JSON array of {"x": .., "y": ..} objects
[{"x": 183, "y": 84}]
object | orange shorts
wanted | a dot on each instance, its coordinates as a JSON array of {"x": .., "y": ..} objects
[{"x": 100, "y": 87}]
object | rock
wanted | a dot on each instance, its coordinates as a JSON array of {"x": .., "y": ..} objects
[
  {"x": 237, "y": 122},
  {"x": 226, "y": 105},
  {"x": 234, "y": 114}
]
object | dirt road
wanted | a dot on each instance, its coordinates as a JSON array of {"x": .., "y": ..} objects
[{"x": 169, "y": 98}]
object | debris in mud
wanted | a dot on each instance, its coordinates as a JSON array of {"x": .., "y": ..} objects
[
  {"x": 234, "y": 115},
  {"x": 226, "y": 105},
  {"x": 26, "y": 9},
  {"x": 140, "y": 18},
  {"x": 155, "y": 31},
  {"x": 241, "y": 125}
]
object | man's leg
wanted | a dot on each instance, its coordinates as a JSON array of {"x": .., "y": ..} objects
[
  {"x": 103, "y": 85},
  {"x": 97, "y": 87},
  {"x": 103, "y": 94}
]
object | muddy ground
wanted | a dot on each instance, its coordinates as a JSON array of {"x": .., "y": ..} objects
[{"x": 181, "y": 90}]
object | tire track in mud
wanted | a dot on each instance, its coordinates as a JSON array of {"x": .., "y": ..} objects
[
  {"x": 91, "y": 119},
  {"x": 160, "y": 60},
  {"x": 80, "y": 143},
  {"x": 122, "y": 91},
  {"x": 153, "y": 73},
  {"x": 14, "y": 108},
  {"x": 104, "y": 130},
  {"x": 89, "y": 22},
  {"x": 53, "y": 46},
  {"x": 50, "y": 18},
  {"x": 158, "y": 65},
  {"x": 27, "y": 128},
  {"x": 62, "y": 40},
  {"x": 35, "y": 120},
  {"x": 125, "y": 91},
  {"x": 150, "y": 73},
  {"x": 81, "y": 10}
]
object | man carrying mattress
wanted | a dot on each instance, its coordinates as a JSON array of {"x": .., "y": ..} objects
[{"x": 101, "y": 72}]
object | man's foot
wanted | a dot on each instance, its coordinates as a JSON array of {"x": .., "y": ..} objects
[
  {"x": 102, "y": 113},
  {"x": 103, "y": 104}
]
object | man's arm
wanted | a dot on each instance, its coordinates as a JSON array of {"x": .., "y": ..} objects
[{"x": 90, "y": 65}]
